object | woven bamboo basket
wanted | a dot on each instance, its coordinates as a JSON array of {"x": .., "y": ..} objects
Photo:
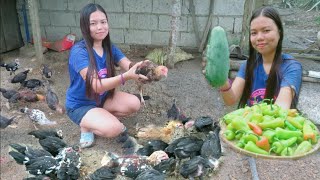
[{"x": 232, "y": 144}]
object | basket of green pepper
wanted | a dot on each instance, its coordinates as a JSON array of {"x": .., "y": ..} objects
[{"x": 268, "y": 131}]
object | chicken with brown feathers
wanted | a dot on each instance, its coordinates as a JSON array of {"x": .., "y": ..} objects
[{"x": 152, "y": 71}]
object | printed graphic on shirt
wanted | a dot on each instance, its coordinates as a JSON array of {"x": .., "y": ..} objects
[
  {"x": 257, "y": 96},
  {"x": 103, "y": 73}
]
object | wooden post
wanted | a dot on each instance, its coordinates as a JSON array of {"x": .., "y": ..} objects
[
  {"x": 194, "y": 22},
  {"x": 36, "y": 33},
  {"x": 249, "y": 6},
  {"x": 175, "y": 21}
]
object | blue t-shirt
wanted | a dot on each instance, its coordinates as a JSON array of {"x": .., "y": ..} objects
[
  {"x": 290, "y": 76},
  {"x": 78, "y": 60}
]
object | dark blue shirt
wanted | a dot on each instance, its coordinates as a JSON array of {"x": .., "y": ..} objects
[
  {"x": 290, "y": 76},
  {"x": 78, "y": 60}
]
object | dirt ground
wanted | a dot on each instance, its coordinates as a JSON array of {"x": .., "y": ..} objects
[{"x": 194, "y": 96}]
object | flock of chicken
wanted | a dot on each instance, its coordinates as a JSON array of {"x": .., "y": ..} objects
[
  {"x": 190, "y": 148},
  {"x": 27, "y": 92}
]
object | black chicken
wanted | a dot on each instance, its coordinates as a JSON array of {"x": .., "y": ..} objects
[
  {"x": 24, "y": 154},
  {"x": 185, "y": 147},
  {"x": 8, "y": 93},
  {"x": 152, "y": 146},
  {"x": 38, "y": 177},
  {"x": 70, "y": 163},
  {"x": 204, "y": 124},
  {"x": 68, "y": 171},
  {"x": 20, "y": 77},
  {"x": 46, "y": 71},
  {"x": 104, "y": 172},
  {"x": 52, "y": 144},
  {"x": 150, "y": 174},
  {"x": 153, "y": 72},
  {"x": 195, "y": 167},
  {"x": 175, "y": 113},
  {"x": 42, "y": 134},
  {"x": 53, "y": 101},
  {"x": 12, "y": 66},
  {"x": 5, "y": 122},
  {"x": 166, "y": 166},
  {"x": 32, "y": 83},
  {"x": 211, "y": 147},
  {"x": 43, "y": 165}
]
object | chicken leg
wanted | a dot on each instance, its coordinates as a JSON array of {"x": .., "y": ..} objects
[{"x": 141, "y": 96}]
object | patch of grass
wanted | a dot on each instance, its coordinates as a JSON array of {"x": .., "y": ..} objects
[{"x": 317, "y": 20}]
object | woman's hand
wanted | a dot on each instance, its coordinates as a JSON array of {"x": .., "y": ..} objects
[{"x": 131, "y": 73}]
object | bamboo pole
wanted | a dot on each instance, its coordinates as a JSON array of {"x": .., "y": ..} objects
[{"x": 34, "y": 16}]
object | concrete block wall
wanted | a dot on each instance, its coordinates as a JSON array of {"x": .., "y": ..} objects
[{"x": 142, "y": 22}]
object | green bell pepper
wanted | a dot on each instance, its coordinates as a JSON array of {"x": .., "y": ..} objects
[
  {"x": 278, "y": 122},
  {"x": 286, "y": 134},
  {"x": 279, "y": 146},
  {"x": 303, "y": 148},
  {"x": 252, "y": 147}
]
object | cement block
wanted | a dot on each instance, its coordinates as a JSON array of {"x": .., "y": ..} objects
[
  {"x": 77, "y": 5},
  {"x": 77, "y": 32},
  {"x": 118, "y": 20},
  {"x": 62, "y": 19},
  {"x": 143, "y": 21},
  {"x": 165, "y": 23},
  {"x": 44, "y": 18},
  {"x": 201, "y": 23},
  {"x": 201, "y": 7},
  {"x": 77, "y": 16},
  {"x": 56, "y": 33},
  {"x": 229, "y": 7},
  {"x": 117, "y": 35},
  {"x": 227, "y": 23},
  {"x": 187, "y": 40},
  {"x": 111, "y": 5},
  {"x": 160, "y": 38},
  {"x": 162, "y": 7},
  {"x": 138, "y": 6},
  {"x": 53, "y": 5},
  {"x": 238, "y": 25},
  {"x": 137, "y": 37}
]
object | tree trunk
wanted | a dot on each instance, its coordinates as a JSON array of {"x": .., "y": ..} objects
[
  {"x": 249, "y": 6},
  {"x": 175, "y": 21},
  {"x": 34, "y": 16}
]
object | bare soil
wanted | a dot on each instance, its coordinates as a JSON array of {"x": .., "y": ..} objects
[{"x": 194, "y": 96}]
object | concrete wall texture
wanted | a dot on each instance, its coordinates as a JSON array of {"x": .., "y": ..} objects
[{"x": 132, "y": 22}]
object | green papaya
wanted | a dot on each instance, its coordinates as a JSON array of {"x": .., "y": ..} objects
[{"x": 218, "y": 62}]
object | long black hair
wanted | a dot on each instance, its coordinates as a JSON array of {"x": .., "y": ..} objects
[
  {"x": 274, "y": 76},
  {"x": 106, "y": 45}
]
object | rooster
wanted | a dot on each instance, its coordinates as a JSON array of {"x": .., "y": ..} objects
[
  {"x": 153, "y": 72},
  {"x": 20, "y": 77}
]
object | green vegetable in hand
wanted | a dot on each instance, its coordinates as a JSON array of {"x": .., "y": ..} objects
[
  {"x": 218, "y": 62},
  {"x": 252, "y": 147}
]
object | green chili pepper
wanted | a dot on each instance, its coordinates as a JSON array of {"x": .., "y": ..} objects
[
  {"x": 229, "y": 127},
  {"x": 303, "y": 148},
  {"x": 252, "y": 147},
  {"x": 295, "y": 123},
  {"x": 286, "y": 134},
  {"x": 256, "y": 118},
  {"x": 238, "y": 135},
  {"x": 287, "y": 151},
  {"x": 300, "y": 119},
  {"x": 267, "y": 118},
  {"x": 229, "y": 117},
  {"x": 239, "y": 123},
  {"x": 279, "y": 146},
  {"x": 249, "y": 137},
  {"x": 230, "y": 135},
  {"x": 241, "y": 143},
  {"x": 289, "y": 126},
  {"x": 283, "y": 113},
  {"x": 278, "y": 122},
  {"x": 271, "y": 110},
  {"x": 308, "y": 132},
  {"x": 256, "y": 109},
  {"x": 270, "y": 134}
]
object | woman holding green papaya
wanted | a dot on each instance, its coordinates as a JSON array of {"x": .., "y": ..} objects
[{"x": 268, "y": 73}]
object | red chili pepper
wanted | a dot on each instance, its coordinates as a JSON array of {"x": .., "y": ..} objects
[
  {"x": 255, "y": 128},
  {"x": 263, "y": 143}
]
